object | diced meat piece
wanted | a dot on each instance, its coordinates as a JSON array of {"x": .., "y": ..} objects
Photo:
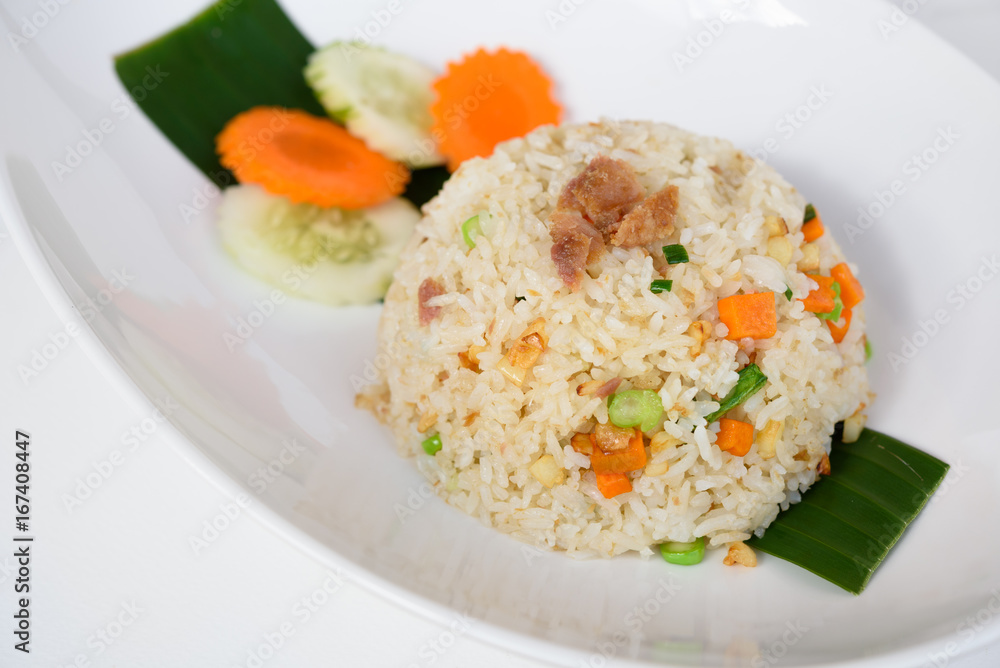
[
  {"x": 569, "y": 252},
  {"x": 604, "y": 191},
  {"x": 575, "y": 244},
  {"x": 608, "y": 388},
  {"x": 564, "y": 221},
  {"x": 429, "y": 289},
  {"x": 598, "y": 388},
  {"x": 651, "y": 220}
]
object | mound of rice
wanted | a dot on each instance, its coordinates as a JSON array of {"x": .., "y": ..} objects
[{"x": 492, "y": 431}]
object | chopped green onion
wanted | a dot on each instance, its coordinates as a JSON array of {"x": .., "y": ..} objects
[
  {"x": 656, "y": 287},
  {"x": 635, "y": 408},
  {"x": 788, "y": 294},
  {"x": 470, "y": 230},
  {"x": 685, "y": 554},
  {"x": 848, "y": 521},
  {"x": 675, "y": 254},
  {"x": 838, "y": 306},
  {"x": 432, "y": 444},
  {"x": 868, "y": 350},
  {"x": 809, "y": 214},
  {"x": 654, "y": 410},
  {"x": 750, "y": 381}
]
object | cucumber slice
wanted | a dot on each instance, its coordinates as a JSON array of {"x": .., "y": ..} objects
[
  {"x": 382, "y": 97},
  {"x": 332, "y": 256}
]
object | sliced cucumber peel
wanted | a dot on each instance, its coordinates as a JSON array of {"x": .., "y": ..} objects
[
  {"x": 333, "y": 256},
  {"x": 381, "y": 96}
]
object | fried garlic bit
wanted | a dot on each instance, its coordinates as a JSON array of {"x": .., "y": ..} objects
[
  {"x": 768, "y": 438},
  {"x": 775, "y": 226},
  {"x": 470, "y": 359},
  {"x": 598, "y": 388},
  {"x": 823, "y": 468},
  {"x": 854, "y": 425},
  {"x": 740, "y": 553},
  {"x": 582, "y": 443},
  {"x": 427, "y": 421},
  {"x": 699, "y": 330},
  {"x": 524, "y": 352}
]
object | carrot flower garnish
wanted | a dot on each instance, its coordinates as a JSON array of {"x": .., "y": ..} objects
[
  {"x": 307, "y": 159},
  {"x": 487, "y": 98}
]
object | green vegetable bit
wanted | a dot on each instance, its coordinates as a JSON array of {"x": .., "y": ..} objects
[
  {"x": 635, "y": 408},
  {"x": 656, "y": 287},
  {"x": 868, "y": 350},
  {"x": 470, "y": 230},
  {"x": 788, "y": 294},
  {"x": 675, "y": 254},
  {"x": 432, "y": 444},
  {"x": 838, "y": 305},
  {"x": 809, "y": 214},
  {"x": 848, "y": 521},
  {"x": 750, "y": 381},
  {"x": 685, "y": 554}
]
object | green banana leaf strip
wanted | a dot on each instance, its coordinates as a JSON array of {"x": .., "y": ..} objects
[
  {"x": 848, "y": 521},
  {"x": 227, "y": 59},
  {"x": 859, "y": 511},
  {"x": 425, "y": 184}
]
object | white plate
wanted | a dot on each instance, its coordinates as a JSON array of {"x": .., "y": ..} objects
[{"x": 113, "y": 230}]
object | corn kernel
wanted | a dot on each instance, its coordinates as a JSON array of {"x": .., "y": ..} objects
[
  {"x": 547, "y": 471},
  {"x": 780, "y": 248},
  {"x": 768, "y": 437},
  {"x": 810, "y": 258}
]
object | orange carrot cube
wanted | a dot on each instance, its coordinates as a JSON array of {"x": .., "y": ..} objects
[
  {"x": 813, "y": 230},
  {"x": 751, "y": 315},
  {"x": 851, "y": 292},
  {"x": 821, "y": 299},
  {"x": 735, "y": 437},
  {"x": 613, "y": 484},
  {"x": 838, "y": 330},
  {"x": 631, "y": 458}
]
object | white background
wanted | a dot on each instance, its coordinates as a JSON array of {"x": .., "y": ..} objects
[{"x": 127, "y": 545}]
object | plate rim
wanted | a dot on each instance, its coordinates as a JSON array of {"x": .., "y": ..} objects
[{"x": 491, "y": 633}]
